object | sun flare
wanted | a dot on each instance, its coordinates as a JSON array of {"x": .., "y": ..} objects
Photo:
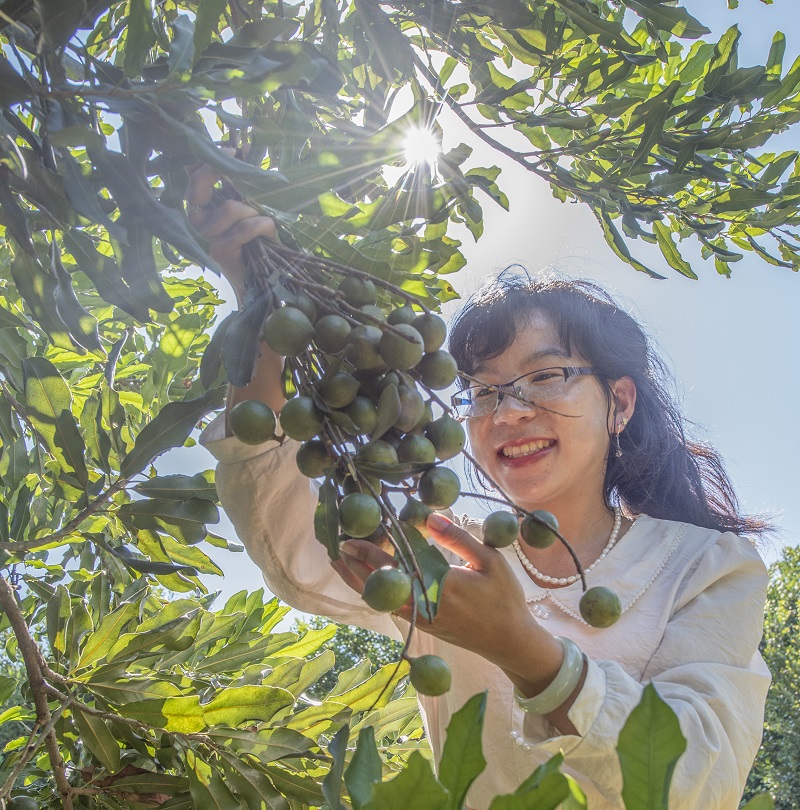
[{"x": 421, "y": 146}]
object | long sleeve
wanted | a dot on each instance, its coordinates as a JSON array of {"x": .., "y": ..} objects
[
  {"x": 706, "y": 667},
  {"x": 271, "y": 505}
]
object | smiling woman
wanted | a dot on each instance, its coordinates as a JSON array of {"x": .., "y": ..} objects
[{"x": 567, "y": 410}]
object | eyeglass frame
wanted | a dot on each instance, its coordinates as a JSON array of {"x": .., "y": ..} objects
[{"x": 568, "y": 372}]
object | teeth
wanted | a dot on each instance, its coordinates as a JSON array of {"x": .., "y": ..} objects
[{"x": 528, "y": 448}]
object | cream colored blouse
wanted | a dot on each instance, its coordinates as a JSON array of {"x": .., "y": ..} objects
[{"x": 693, "y": 603}]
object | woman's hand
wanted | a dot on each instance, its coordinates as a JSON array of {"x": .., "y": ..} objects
[
  {"x": 228, "y": 225},
  {"x": 481, "y": 608}
]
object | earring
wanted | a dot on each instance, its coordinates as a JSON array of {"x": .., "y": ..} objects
[{"x": 620, "y": 428}]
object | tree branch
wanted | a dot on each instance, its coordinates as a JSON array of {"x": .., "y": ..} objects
[
  {"x": 69, "y": 527},
  {"x": 35, "y": 668}
]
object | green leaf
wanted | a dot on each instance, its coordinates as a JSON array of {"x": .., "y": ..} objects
[
  {"x": 13, "y": 88},
  {"x": 326, "y": 518},
  {"x": 97, "y": 737},
  {"x": 388, "y": 411},
  {"x": 297, "y": 786},
  {"x": 670, "y": 251},
  {"x": 761, "y": 802},
  {"x": 365, "y": 769},
  {"x": 332, "y": 783},
  {"x": 434, "y": 569},
  {"x": 58, "y": 19},
  {"x": 171, "y": 428},
  {"x": 391, "y": 50},
  {"x": 776, "y": 52},
  {"x": 545, "y": 789},
  {"x": 152, "y": 783},
  {"x": 416, "y": 780},
  {"x": 7, "y": 687},
  {"x": 724, "y": 55},
  {"x": 616, "y": 242},
  {"x": 377, "y": 690},
  {"x": 309, "y": 643},
  {"x": 140, "y": 36},
  {"x": 253, "y": 787},
  {"x": 81, "y": 323},
  {"x": 107, "y": 633},
  {"x": 37, "y": 287},
  {"x": 462, "y": 757},
  {"x": 235, "y": 705},
  {"x": 47, "y": 403},
  {"x": 183, "y": 715},
  {"x": 206, "y": 23},
  {"x": 180, "y": 487},
  {"x": 181, "y": 51},
  {"x": 649, "y": 746},
  {"x": 677, "y": 21}
]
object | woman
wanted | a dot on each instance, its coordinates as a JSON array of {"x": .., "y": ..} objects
[{"x": 692, "y": 590}]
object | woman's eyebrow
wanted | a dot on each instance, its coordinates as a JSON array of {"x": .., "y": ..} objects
[{"x": 531, "y": 359}]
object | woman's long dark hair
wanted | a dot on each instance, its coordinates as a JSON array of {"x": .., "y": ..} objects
[{"x": 659, "y": 473}]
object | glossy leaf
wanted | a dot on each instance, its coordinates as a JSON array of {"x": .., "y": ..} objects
[
  {"x": 326, "y": 519},
  {"x": 170, "y": 428},
  {"x": 48, "y": 405},
  {"x": 649, "y": 747},
  {"x": 462, "y": 756},
  {"x": 416, "y": 780},
  {"x": 365, "y": 769}
]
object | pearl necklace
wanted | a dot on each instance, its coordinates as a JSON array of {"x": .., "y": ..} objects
[{"x": 536, "y": 573}]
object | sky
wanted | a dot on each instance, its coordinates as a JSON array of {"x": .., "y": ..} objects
[{"x": 729, "y": 343}]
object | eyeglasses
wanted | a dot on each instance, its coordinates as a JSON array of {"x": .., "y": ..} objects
[{"x": 533, "y": 388}]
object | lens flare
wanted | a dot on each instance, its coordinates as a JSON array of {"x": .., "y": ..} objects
[{"x": 421, "y": 146}]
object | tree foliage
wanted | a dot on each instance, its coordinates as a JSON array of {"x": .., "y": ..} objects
[
  {"x": 776, "y": 768},
  {"x": 133, "y": 699}
]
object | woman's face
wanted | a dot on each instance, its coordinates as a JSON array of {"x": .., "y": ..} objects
[{"x": 542, "y": 459}]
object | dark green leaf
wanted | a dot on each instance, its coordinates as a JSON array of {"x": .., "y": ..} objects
[
  {"x": 326, "y": 518},
  {"x": 81, "y": 323},
  {"x": 58, "y": 21},
  {"x": 171, "y": 428},
  {"x": 332, "y": 783},
  {"x": 240, "y": 342},
  {"x": 140, "y": 36},
  {"x": 103, "y": 272},
  {"x": 391, "y": 49},
  {"x": 206, "y": 23},
  {"x": 434, "y": 568},
  {"x": 82, "y": 196},
  {"x": 48, "y": 405},
  {"x": 416, "y": 780},
  {"x": 616, "y": 242},
  {"x": 97, "y": 737},
  {"x": 677, "y": 21},
  {"x": 13, "y": 88},
  {"x": 365, "y": 769},
  {"x": 649, "y": 747},
  {"x": 12, "y": 215},
  {"x": 462, "y": 757},
  {"x": 37, "y": 287},
  {"x": 670, "y": 251},
  {"x": 388, "y": 411},
  {"x": 181, "y": 51},
  {"x": 179, "y": 487}
]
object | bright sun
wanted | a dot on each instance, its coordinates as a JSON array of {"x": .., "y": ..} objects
[{"x": 421, "y": 146}]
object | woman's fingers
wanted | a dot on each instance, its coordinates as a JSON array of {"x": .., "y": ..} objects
[
  {"x": 347, "y": 575},
  {"x": 460, "y": 542},
  {"x": 366, "y": 553}
]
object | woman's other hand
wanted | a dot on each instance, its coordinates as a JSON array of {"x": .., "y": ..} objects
[{"x": 228, "y": 225}]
